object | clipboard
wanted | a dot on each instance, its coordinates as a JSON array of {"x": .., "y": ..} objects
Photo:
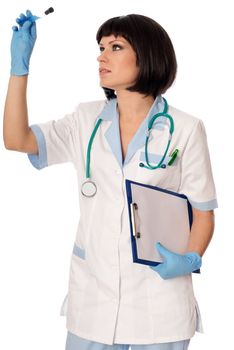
[{"x": 157, "y": 215}]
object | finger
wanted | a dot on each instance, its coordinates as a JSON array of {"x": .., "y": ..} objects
[
  {"x": 19, "y": 21},
  {"x": 15, "y": 29},
  {"x": 30, "y": 16},
  {"x": 155, "y": 268},
  {"x": 194, "y": 259},
  {"x": 29, "y": 13},
  {"x": 160, "y": 269},
  {"x": 22, "y": 21},
  {"x": 22, "y": 17}
]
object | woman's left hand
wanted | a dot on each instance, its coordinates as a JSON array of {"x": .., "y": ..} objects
[{"x": 175, "y": 265}]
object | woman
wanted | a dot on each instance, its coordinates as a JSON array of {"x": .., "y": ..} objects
[{"x": 113, "y": 303}]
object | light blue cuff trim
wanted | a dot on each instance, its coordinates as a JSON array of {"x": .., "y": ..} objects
[
  {"x": 213, "y": 204},
  {"x": 39, "y": 161},
  {"x": 78, "y": 251}
]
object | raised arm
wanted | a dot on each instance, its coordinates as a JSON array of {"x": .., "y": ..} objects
[{"x": 16, "y": 132}]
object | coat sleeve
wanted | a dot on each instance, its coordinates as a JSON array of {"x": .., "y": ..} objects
[
  {"x": 56, "y": 142},
  {"x": 197, "y": 179}
]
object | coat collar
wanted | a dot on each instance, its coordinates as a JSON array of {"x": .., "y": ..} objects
[{"x": 112, "y": 134}]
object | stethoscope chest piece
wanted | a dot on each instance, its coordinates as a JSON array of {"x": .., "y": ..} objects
[{"x": 88, "y": 188}]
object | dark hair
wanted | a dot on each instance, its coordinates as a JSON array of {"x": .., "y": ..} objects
[{"x": 154, "y": 52}]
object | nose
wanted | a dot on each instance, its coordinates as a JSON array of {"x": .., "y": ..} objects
[{"x": 102, "y": 57}]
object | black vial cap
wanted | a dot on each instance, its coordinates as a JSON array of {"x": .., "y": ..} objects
[{"x": 50, "y": 10}]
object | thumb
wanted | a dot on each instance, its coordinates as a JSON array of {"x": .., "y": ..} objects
[
  {"x": 34, "y": 30},
  {"x": 163, "y": 251}
]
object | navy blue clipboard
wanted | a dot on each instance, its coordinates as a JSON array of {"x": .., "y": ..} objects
[{"x": 130, "y": 185}]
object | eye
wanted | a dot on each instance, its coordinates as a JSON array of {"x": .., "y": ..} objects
[{"x": 116, "y": 46}]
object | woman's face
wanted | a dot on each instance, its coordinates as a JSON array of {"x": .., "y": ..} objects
[{"x": 117, "y": 63}]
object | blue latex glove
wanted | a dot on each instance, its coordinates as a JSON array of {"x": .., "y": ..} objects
[
  {"x": 22, "y": 43},
  {"x": 175, "y": 265}
]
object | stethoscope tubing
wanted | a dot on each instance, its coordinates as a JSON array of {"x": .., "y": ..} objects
[
  {"x": 150, "y": 125},
  {"x": 89, "y": 148}
]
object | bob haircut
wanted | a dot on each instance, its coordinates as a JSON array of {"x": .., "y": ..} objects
[{"x": 155, "y": 55}]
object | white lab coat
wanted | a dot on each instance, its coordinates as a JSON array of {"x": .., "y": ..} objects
[{"x": 110, "y": 298}]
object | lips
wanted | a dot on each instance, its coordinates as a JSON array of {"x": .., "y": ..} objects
[{"x": 104, "y": 70}]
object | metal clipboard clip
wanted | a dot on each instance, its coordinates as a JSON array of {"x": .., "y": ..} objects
[{"x": 135, "y": 219}]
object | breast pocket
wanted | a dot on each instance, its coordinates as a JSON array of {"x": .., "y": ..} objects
[
  {"x": 167, "y": 176},
  {"x": 154, "y": 159}
]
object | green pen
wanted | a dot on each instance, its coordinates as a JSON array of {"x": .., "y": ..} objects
[{"x": 173, "y": 156}]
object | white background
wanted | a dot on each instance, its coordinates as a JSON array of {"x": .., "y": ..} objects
[{"x": 39, "y": 209}]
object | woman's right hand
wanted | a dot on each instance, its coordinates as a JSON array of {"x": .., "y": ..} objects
[{"x": 22, "y": 43}]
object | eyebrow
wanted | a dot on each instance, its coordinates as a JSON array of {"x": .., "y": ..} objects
[{"x": 110, "y": 42}]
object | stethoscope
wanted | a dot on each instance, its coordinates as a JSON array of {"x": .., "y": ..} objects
[{"x": 89, "y": 187}]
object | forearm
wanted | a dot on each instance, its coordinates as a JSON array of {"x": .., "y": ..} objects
[
  {"x": 201, "y": 231},
  {"x": 15, "y": 124}
]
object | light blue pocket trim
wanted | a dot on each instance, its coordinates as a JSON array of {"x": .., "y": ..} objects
[
  {"x": 79, "y": 251},
  {"x": 154, "y": 158},
  {"x": 210, "y": 205},
  {"x": 39, "y": 161}
]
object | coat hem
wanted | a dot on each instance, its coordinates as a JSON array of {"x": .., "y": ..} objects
[
  {"x": 158, "y": 340},
  {"x": 133, "y": 341}
]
